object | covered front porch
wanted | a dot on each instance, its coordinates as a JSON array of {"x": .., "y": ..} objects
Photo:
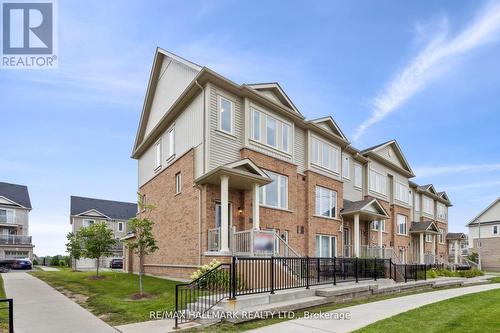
[
  {"x": 363, "y": 229},
  {"x": 424, "y": 238}
]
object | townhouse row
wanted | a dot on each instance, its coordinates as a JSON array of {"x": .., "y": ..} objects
[{"x": 237, "y": 170}]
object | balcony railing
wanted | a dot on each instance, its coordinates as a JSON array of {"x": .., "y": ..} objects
[
  {"x": 15, "y": 240},
  {"x": 379, "y": 252}
]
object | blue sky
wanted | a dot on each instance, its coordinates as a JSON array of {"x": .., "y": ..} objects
[{"x": 424, "y": 72}]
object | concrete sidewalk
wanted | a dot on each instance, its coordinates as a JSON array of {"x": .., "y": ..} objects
[
  {"x": 48, "y": 269},
  {"x": 365, "y": 314},
  {"x": 38, "y": 308}
]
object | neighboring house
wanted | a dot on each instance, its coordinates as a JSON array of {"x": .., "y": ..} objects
[
  {"x": 457, "y": 246},
  {"x": 237, "y": 169},
  {"x": 486, "y": 226},
  {"x": 87, "y": 211},
  {"x": 15, "y": 205}
]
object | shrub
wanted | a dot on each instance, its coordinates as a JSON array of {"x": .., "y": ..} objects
[
  {"x": 471, "y": 273},
  {"x": 35, "y": 262},
  {"x": 474, "y": 257},
  {"x": 432, "y": 274}
]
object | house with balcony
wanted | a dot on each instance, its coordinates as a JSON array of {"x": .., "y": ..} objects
[
  {"x": 484, "y": 236},
  {"x": 236, "y": 169},
  {"x": 87, "y": 211},
  {"x": 15, "y": 206}
]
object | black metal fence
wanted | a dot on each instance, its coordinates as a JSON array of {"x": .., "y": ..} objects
[
  {"x": 194, "y": 299},
  {"x": 411, "y": 272},
  {"x": 7, "y": 304},
  {"x": 260, "y": 275}
]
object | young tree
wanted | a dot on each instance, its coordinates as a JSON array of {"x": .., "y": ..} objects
[
  {"x": 143, "y": 242},
  {"x": 74, "y": 246},
  {"x": 97, "y": 241}
]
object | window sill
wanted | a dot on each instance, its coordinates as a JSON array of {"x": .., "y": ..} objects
[
  {"x": 226, "y": 134},
  {"x": 406, "y": 235},
  {"x": 275, "y": 208},
  {"x": 178, "y": 193},
  {"x": 327, "y": 218},
  {"x": 157, "y": 169},
  {"x": 170, "y": 159},
  {"x": 274, "y": 149},
  {"x": 322, "y": 168}
]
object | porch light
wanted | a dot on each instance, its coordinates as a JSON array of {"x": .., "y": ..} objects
[{"x": 240, "y": 210}]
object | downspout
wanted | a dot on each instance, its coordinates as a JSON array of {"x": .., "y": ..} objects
[{"x": 204, "y": 168}]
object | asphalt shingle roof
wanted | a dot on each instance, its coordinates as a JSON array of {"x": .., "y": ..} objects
[
  {"x": 113, "y": 209},
  {"x": 455, "y": 235},
  {"x": 420, "y": 226},
  {"x": 17, "y": 193},
  {"x": 354, "y": 206}
]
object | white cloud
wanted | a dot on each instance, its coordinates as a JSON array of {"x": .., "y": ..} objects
[
  {"x": 429, "y": 63},
  {"x": 461, "y": 187},
  {"x": 427, "y": 171}
]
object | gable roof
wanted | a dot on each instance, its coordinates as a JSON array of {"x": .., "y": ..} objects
[
  {"x": 443, "y": 195},
  {"x": 456, "y": 235},
  {"x": 331, "y": 124},
  {"x": 474, "y": 220},
  {"x": 368, "y": 205},
  {"x": 427, "y": 188},
  {"x": 406, "y": 168},
  {"x": 276, "y": 89},
  {"x": 419, "y": 227},
  {"x": 18, "y": 194},
  {"x": 113, "y": 209}
]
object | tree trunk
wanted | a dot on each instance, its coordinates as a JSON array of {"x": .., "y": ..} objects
[
  {"x": 141, "y": 258},
  {"x": 97, "y": 266}
]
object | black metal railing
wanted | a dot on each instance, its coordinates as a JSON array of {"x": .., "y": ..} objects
[
  {"x": 10, "y": 308},
  {"x": 260, "y": 275},
  {"x": 411, "y": 272},
  {"x": 194, "y": 299}
]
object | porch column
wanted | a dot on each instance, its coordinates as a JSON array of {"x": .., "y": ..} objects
[
  {"x": 380, "y": 239},
  {"x": 255, "y": 207},
  {"x": 357, "y": 247},
  {"x": 434, "y": 246},
  {"x": 224, "y": 223},
  {"x": 422, "y": 259},
  {"x": 456, "y": 251}
]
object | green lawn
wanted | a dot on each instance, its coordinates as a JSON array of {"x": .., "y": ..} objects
[
  {"x": 478, "y": 312},
  {"x": 4, "y": 313},
  {"x": 109, "y": 298}
]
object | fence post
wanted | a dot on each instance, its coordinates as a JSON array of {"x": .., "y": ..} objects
[
  {"x": 425, "y": 272},
  {"x": 176, "y": 318},
  {"x": 317, "y": 269},
  {"x": 356, "y": 268},
  {"x": 233, "y": 279},
  {"x": 406, "y": 280},
  {"x": 307, "y": 272},
  {"x": 334, "y": 271},
  {"x": 390, "y": 268},
  {"x": 375, "y": 269},
  {"x": 272, "y": 274}
]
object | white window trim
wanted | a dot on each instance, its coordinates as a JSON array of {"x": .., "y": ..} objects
[
  {"x": 330, "y": 248},
  {"x": 360, "y": 167},
  {"x": 384, "y": 193},
  {"x": 122, "y": 226},
  {"x": 442, "y": 237},
  {"x": 320, "y": 155},
  {"x": 219, "y": 118},
  {"x": 330, "y": 200},
  {"x": 424, "y": 200},
  {"x": 178, "y": 183},
  {"x": 379, "y": 221},
  {"x": 85, "y": 222},
  {"x": 280, "y": 178},
  {"x": 171, "y": 142},
  {"x": 348, "y": 170},
  {"x": 426, "y": 238},
  {"x": 406, "y": 224},
  {"x": 263, "y": 131},
  {"x": 406, "y": 190},
  {"x": 157, "y": 152},
  {"x": 7, "y": 210}
]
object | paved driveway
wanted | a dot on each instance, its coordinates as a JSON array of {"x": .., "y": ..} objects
[
  {"x": 365, "y": 314},
  {"x": 38, "y": 308}
]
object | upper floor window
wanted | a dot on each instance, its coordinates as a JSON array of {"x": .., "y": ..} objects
[
  {"x": 346, "y": 167},
  {"x": 225, "y": 115},
  {"x": 178, "y": 183},
  {"x": 441, "y": 236},
  {"x": 495, "y": 230},
  {"x": 441, "y": 211},
  {"x": 270, "y": 131},
  {"x": 378, "y": 182},
  {"x": 402, "y": 230},
  {"x": 158, "y": 154},
  {"x": 358, "y": 175},
  {"x": 326, "y": 202},
  {"x": 275, "y": 194},
  {"x": 378, "y": 225},
  {"x": 6, "y": 216},
  {"x": 428, "y": 238},
  {"x": 171, "y": 142},
  {"x": 428, "y": 206},
  {"x": 120, "y": 226},
  {"x": 417, "y": 202},
  {"x": 88, "y": 223},
  {"x": 402, "y": 192},
  {"x": 324, "y": 154}
]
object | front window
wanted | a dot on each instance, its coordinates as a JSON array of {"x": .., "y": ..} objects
[
  {"x": 178, "y": 183},
  {"x": 285, "y": 136},
  {"x": 428, "y": 206},
  {"x": 495, "y": 230},
  {"x": 428, "y": 238},
  {"x": 441, "y": 236},
  {"x": 378, "y": 182},
  {"x": 326, "y": 246},
  {"x": 324, "y": 154},
  {"x": 326, "y": 202},
  {"x": 441, "y": 211},
  {"x": 346, "y": 164},
  {"x": 378, "y": 225},
  {"x": 358, "y": 175},
  {"x": 275, "y": 194},
  {"x": 120, "y": 226},
  {"x": 6, "y": 216},
  {"x": 225, "y": 115},
  {"x": 157, "y": 154},
  {"x": 271, "y": 131},
  {"x": 402, "y": 193},
  {"x": 402, "y": 225},
  {"x": 171, "y": 142},
  {"x": 88, "y": 223},
  {"x": 256, "y": 125}
]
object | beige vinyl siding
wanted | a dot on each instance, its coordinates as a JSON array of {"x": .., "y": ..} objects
[
  {"x": 389, "y": 154},
  {"x": 224, "y": 148},
  {"x": 174, "y": 77},
  {"x": 21, "y": 217},
  {"x": 351, "y": 192},
  {"x": 417, "y": 206},
  {"x": 300, "y": 149},
  {"x": 188, "y": 134},
  {"x": 492, "y": 214}
]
